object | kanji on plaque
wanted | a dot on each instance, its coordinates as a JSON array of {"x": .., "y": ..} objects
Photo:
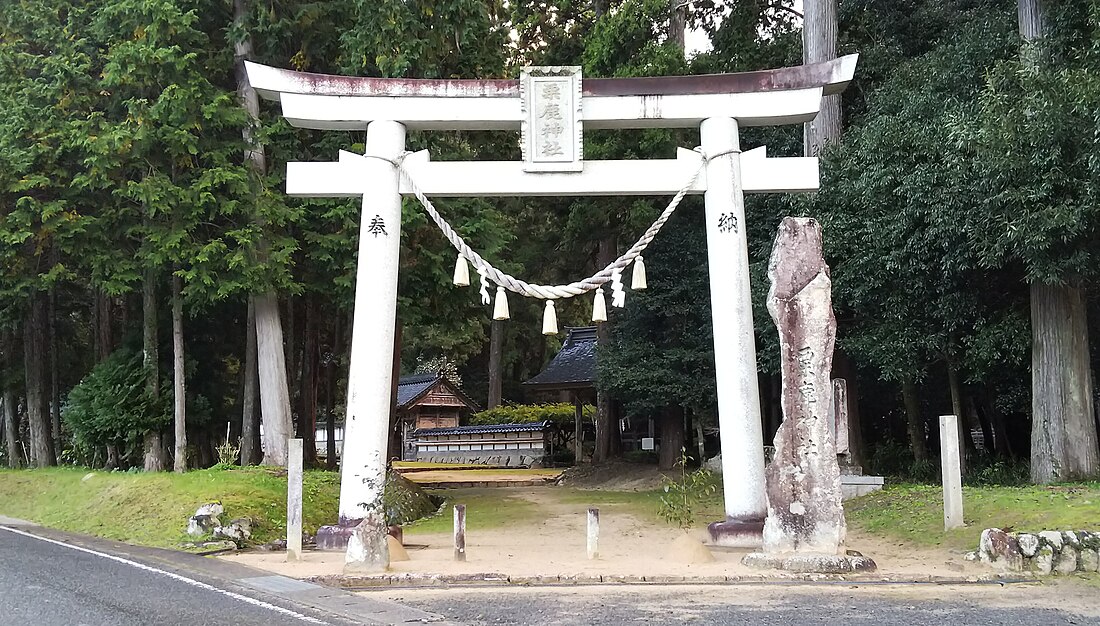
[{"x": 551, "y": 124}]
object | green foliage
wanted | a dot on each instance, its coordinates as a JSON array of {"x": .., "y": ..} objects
[
  {"x": 228, "y": 453},
  {"x": 111, "y": 404},
  {"x": 561, "y": 414},
  {"x": 661, "y": 348},
  {"x": 1035, "y": 134},
  {"x": 914, "y": 513},
  {"x": 684, "y": 495},
  {"x": 404, "y": 501}
]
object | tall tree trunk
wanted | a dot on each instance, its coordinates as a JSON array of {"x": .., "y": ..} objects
[
  {"x": 330, "y": 399},
  {"x": 606, "y": 427},
  {"x": 913, "y": 420},
  {"x": 672, "y": 437},
  {"x": 55, "y": 374},
  {"x": 274, "y": 393},
  {"x": 290, "y": 349},
  {"x": 104, "y": 335},
  {"x": 819, "y": 29},
  {"x": 496, "y": 371},
  {"x": 980, "y": 418},
  {"x": 1063, "y": 428},
  {"x": 677, "y": 23},
  {"x": 250, "y": 418},
  {"x": 7, "y": 396},
  {"x": 961, "y": 415},
  {"x": 154, "y": 443},
  {"x": 34, "y": 360},
  {"x": 307, "y": 419},
  {"x": 274, "y": 398},
  {"x": 179, "y": 390}
]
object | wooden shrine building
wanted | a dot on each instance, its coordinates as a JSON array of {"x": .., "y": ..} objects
[{"x": 428, "y": 401}]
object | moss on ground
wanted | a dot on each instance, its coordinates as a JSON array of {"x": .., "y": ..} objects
[
  {"x": 152, "y": 509},
  {"x": 914, "y": 513}
]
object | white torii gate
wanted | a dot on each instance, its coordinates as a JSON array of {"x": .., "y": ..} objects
[{"x": 551, "y": 107}]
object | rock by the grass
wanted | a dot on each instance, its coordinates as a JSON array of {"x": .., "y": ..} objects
[
  {"x": 1053, "y": 537},
  {"x": 1044, "y": 560},
  {"x": 279, "y": 545},
  {"x": 200, "y": 525},
  {"x": 212, "y": 509},
  {"x": 688, "y": 549},
  {"x": 1069, "y": 538},
  {"x": 1090, "y": 560},
  {"x": 1029, "y": 544},
  {"x": 205, "y": 519},
  {"x": 997, "y": 546},
  {"x": 1066, "y": 562},
  {"x": 237, "y": 531}
]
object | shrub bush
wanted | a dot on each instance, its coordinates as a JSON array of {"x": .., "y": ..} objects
[{"x": 561, "y": 414}]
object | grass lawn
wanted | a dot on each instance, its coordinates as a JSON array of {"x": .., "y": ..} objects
[
  {"x": 914, "y": 513},
  {"x": 152, "y": 509},
  {"x": 485, "y": 509}
]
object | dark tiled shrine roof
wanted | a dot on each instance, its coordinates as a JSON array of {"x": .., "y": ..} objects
[
  {"x": 411, "y": 388},
  {"x": 574, "y": 367},
  {"x": 487, "y": 428}
]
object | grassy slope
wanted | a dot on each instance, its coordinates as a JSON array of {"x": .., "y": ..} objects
[
  {"x": 914, "y": 513},
  {"x": 152, "y": 509}
]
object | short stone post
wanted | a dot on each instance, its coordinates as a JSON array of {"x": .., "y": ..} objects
[
  {"x": 593, "y": 533},
  {"x": 294, "y": 501},
  {"x": 460, "y": 532},
  {"x": 952, "y": 472}
]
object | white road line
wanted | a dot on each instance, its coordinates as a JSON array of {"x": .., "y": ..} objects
[{"x": 183, "y": 579}]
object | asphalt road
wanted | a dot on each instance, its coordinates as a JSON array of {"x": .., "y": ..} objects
[
  {"x": 776, "y": 606},
  {"x": 47, "y": 584}
]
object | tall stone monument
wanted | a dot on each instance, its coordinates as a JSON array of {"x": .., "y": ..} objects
[{"x": 805, "y": 527}]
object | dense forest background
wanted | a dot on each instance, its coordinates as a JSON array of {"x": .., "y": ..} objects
[{"x": 153, "y": 273}]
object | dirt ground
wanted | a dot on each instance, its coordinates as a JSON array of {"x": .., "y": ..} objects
[{"x": 554, "y": 544}]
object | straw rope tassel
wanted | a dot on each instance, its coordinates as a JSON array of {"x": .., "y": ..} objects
[
  {"x": 549, "y": 319},
  {"x": 637, "y": 281},
  {"x": 599, "y": 308},
  {"x": 500, "y": 311},
  {"x": 462, "y": 272}
]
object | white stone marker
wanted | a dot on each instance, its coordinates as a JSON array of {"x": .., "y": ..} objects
[
  {"x": 460, "y": 532},
  {"x": 294, "y": 501},
  {"x": 734, "y": 341},
  {"x": 952, "y": 473},
  {"x": 593, "y": 533}
]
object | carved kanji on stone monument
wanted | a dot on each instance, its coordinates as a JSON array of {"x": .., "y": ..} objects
[{"x": 803, "y": 480}]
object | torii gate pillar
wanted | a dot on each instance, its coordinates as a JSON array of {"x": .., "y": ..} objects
[
  {"x": 734, "y": 341},
  {"x": 363, "y": 465}
]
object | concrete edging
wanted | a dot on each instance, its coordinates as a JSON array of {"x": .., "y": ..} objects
[{"x": 366, "y": 583}]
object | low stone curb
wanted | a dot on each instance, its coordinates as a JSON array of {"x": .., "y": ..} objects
[
  {"x": 1044, "y": 553},
  {"x": 495, "y": 579}
]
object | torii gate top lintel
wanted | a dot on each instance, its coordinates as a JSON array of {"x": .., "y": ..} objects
[
  {"x": 786, "y": 95},
  {"x": 834, "y": 76}
]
